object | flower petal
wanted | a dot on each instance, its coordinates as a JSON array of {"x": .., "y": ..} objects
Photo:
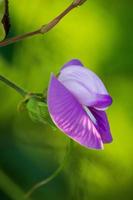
[
  {"x": 69, "y": 115},
  {"x": 73, "y": 62},
  {"x": 85, "y": 86},
  {"x": 103, "y": 102},
  {"x": 102, "y": 125}
]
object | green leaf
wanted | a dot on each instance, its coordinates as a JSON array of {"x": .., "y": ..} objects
[
  {"x": 2, "y": 11},
  {"x": 4, "y": 19},
  {"x": 2, "y": 8},
  {"x": 38, "y": 111}
]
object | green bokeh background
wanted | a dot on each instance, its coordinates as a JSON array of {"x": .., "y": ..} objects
[{"x": 100, "y": 33}]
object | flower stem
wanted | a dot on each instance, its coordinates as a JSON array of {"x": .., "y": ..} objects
[
  {"x": 45, "y": 28},
  {"x": 9, "y": 83},
  {"x": 52, "y": 176}
]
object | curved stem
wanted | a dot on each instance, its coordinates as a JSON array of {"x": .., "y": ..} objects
[
  {"x": 52, "y": 176},
  {"x": 9, "y": 83},
  {"x": 44, "y": 28}
]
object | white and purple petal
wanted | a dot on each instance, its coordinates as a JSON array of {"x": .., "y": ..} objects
[
  {"x": 73, "y": 62},
  {"x": 70, "y": 116},
  {"x": 85, "y": 85}
]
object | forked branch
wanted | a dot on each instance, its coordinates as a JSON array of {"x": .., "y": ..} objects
[{"x": 45, "y": 28}]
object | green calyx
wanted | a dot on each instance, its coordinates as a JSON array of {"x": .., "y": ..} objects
[{"x": 38, "y": 110}]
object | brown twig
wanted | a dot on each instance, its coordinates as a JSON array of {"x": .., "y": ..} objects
[{"x": 44, "y": 28}]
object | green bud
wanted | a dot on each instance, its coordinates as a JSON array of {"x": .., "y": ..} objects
[{"x": 38, "y": 111}]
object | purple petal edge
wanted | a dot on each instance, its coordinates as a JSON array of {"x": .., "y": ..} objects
[
  {"x": 103, "y": 101},
  {"x": 70, "y": 117},
  {"x": 102, "y": 125},
  {"x": 73, "y": 62}
]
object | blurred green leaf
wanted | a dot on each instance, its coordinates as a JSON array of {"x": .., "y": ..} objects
[
  {"x": 38, "y": 111},
  {"x": 4, "y": 19},
  {"x": 2, "y": 11}
]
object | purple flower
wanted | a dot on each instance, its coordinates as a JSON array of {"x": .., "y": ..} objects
[{"x": 77, "y": 101}]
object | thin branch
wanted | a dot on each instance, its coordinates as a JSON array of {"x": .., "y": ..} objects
[{"x": 44, "y": 28}]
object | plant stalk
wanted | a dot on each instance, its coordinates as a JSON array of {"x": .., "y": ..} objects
[{"x": 12, "y": 85}]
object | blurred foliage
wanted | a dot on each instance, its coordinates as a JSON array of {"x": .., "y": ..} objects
[
  {"x": 4, "y": 19},
  {"x": 2, "y": 12},
  {"x": 100, "y": 33}
]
